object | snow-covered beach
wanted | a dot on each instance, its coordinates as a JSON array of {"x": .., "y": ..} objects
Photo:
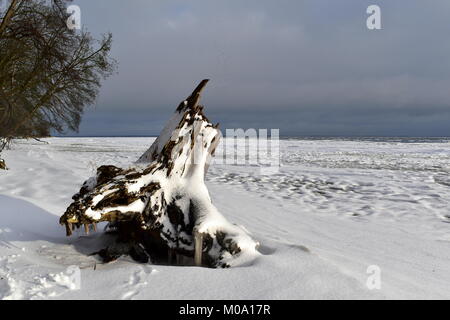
[{"x": 335, "y": 208}]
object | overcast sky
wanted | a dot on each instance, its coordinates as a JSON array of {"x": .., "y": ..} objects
[{"x": 307, "y": 67}]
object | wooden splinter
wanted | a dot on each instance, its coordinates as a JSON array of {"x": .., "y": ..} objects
[
  {"x": 198, "y": 244},
  {"x": 170, "y": 256},
  {"x": 68, "y": 229}
]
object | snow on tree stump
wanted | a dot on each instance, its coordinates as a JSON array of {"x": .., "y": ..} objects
[
  {"x": 159, "y": 207},
  {"x": 2, "y": 164}
]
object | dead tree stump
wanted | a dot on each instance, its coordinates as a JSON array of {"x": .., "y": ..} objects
[{"x": 159, "y": 207}]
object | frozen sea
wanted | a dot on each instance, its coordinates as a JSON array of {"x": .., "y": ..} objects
[{"x": 335, "y": 209}]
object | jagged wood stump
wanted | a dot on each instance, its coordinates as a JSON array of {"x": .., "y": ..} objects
[{"x": 159, "y": 207}]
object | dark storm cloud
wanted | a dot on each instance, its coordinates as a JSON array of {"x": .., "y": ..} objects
[{"x": 307, "y": 67}]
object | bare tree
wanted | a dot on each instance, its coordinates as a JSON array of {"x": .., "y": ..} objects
[{"x": 48, "y": 73}]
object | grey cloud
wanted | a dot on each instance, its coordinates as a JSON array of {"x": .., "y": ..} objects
[{"x": 274, "y": 62}]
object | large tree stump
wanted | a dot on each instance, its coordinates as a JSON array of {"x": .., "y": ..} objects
[{"x": 159, "y": 207}]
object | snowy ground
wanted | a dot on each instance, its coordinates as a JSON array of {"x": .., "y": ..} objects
[{"x": 335, "y": 208}]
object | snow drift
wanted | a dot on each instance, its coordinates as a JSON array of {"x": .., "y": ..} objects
[{"x": 159, "y": 207}]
